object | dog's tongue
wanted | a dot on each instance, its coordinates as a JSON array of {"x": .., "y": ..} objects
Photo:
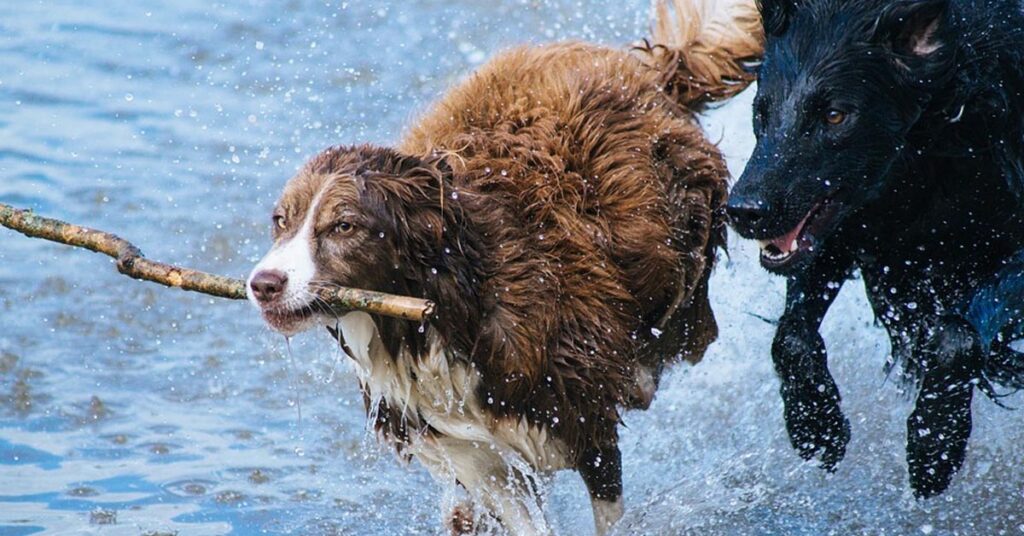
[
  {"x": 790, "y": 242},
  {"x": 787, "y": 243}
]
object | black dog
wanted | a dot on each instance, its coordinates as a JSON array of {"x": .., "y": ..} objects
[{"x": 890, "y": 137}]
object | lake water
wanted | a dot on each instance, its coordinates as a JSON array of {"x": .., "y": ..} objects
[{"x": 127, "y": 408}]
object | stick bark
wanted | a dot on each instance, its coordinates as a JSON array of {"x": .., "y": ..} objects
[{"x": 132, "y": 263}]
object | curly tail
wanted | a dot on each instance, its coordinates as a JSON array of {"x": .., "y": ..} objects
[{"x": 704, "y": 48}]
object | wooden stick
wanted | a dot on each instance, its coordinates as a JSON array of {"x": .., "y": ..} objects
[{"x": 132, "y": 263}]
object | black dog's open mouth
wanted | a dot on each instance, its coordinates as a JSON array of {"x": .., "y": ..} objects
[{"x": 789, "y": 248}]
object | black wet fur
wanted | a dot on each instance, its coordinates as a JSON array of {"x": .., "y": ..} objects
[{"x": 895, "y": 130}]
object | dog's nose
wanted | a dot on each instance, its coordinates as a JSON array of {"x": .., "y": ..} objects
[
  {"x": 268, "y": 285},
  {"x": 747, "y": 215}
]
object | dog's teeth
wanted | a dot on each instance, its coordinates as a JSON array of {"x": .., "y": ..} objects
[
  {"x": 763, "y": 243},
  {"x": 793, "y": 245}
]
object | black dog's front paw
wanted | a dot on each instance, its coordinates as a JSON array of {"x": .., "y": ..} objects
[
  {"x": 937, "y": 434},
  {"x": 815, "y": 423}
]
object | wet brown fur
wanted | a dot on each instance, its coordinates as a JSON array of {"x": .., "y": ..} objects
[{"x": 557, "y": 206}]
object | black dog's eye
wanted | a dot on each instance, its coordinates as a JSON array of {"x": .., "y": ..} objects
[
  {"x": 344, "y": 228},
  {"x": 835, "y": 117}
]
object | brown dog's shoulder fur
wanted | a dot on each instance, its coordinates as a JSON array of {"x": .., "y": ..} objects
[{"x": 591, "y": 202}]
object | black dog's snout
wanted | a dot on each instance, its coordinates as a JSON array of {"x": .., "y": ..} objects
[
  {"x": 268, "y": 285},
  {"x": 747, "y": 215}
]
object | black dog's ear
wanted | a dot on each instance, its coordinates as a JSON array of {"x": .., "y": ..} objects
[
  {"x": 775, "y": 14},
  {"x": 912, "y": 28}
]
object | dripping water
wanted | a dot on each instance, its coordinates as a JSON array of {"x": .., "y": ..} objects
[
  {"x": 337, "y": 355},
  {"x": 293, "y": 380}
]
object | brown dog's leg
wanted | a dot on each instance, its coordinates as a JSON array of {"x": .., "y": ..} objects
[{"x": 601, "y": 469}]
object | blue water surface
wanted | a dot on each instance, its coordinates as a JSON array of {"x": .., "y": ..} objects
[{"x": 175, "y": 124}]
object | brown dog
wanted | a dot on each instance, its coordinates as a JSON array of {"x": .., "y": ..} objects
[{"x": 563, "y": 209}]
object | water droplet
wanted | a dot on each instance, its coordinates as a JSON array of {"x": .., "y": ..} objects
[{"x": 129, "y": 97}]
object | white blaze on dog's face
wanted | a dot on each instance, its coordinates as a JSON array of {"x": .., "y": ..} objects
[
  {"x": 280, "y": 283},
  {"x": 322, "y": 237}
]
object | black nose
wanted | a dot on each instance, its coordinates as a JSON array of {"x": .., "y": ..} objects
[
  {"x": 747, "y": 215},
  {"x": 267, "y": 285}
]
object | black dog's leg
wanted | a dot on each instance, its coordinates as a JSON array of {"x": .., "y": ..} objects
[
  {"x": 601, "y": 469},
  {"x": 813, "y": 418},
  {"x": 954, "y": 355},
  {"x": 938, "y": 429}
]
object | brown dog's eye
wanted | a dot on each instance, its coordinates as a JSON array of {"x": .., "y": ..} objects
[
  {"x": 344, "y": 228},
  {"x": 279, "y": 222},
  {"x": 835, "y": 117}
]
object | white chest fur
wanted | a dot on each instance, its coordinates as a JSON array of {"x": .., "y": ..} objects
[
  {"x": 494, "y": 459},
  {"x": 437, "y": 392}
]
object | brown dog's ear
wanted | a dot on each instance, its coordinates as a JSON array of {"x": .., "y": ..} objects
[
  {"x": 912, "y": 28},
  {"x": 440, "y": 161},
  {"x": 375, "y": 161},
  {"x": 411, "y": 198},
  {"x": 775, "y": 14},
  {"x": 413, "y": 167}
]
